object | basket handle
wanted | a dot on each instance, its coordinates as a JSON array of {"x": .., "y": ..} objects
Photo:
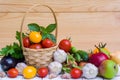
[{"x": 22, "y": 23}]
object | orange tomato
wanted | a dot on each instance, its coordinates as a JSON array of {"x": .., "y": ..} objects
[{"x": 35, "y": 37}]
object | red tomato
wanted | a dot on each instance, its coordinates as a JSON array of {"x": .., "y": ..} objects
[
  {"x": 47, "y": 43},
  {"x": 42, "y": 72},
  {"x": 26, "y": 42},
  {"x": 35, "y": 46},
  {"x": 12, "y": 73},
  {"x": 65, "y": 44},
  {"x": 76, "y": 73}
]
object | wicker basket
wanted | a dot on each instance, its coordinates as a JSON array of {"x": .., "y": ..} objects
[{"x": 38, "y": 57}]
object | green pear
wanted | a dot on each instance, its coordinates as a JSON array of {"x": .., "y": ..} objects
[{"x": 108, "y": 69}]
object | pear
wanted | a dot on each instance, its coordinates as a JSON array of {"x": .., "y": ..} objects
[{"x": 108, "y": 69}]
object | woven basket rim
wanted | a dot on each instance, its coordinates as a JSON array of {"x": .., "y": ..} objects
[{"x": 42, "y": 49}]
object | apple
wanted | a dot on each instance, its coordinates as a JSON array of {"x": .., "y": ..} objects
[
  {"x": 108, "y": 69},
  {"x": 98, "y": 58}
]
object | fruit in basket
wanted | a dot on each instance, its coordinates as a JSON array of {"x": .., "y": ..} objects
[
  {"x": 76, "y": 73},
  {"x": 42, "y": 72},
  {"x": 26, "y": 42},
  {"x": 36, "y": 46},
  {"x": 12, "y": 73},
  {"x": 108, "y": 69},
  {"x": 47, "y": 43},
  {"x": 35, "y": 37},
  {"x": 8, "y": 62},
  {"x": 29, "y": 72},
  {"x": 43, "y": 32},
  {"x": 102, "y": 48},
  {"x": 65, "y": 44},
  {"x": 98, "y": 58}
]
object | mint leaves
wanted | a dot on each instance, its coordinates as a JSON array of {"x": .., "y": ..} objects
[{"x": 45, "y": 32}]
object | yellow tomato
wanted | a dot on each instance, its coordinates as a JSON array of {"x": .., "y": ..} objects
[
  {"x": 35, "y": 37},
  {"x": 29, "y": 72}
]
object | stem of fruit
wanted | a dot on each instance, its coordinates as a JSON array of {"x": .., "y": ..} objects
[{"x": 97, "y": 48}]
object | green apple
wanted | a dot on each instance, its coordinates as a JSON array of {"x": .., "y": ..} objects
[{"x": 108, "y": 69}]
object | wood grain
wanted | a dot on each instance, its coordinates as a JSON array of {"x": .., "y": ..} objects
[
  {"x": 85, "y": 29},
  {"x": 61, "y": 5}
]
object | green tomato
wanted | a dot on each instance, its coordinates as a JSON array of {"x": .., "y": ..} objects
[{"x": 73, "y": 50}]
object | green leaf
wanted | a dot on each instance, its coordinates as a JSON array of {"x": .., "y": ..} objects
[
  {"x": 50, "y": 28},
  {"x": 34, "y": 27},
  {"x": 44, "y": 36},
  {"x": 52, "y": 37},
  {"x": 66, "y": 69},
  {"x": 42, "y": 29},
  {"x": 19, "y": 38},
  {"x": 4, "y": 51},
  {"x": 49, "y": 36},
  {"x": 15, "y": 50}
]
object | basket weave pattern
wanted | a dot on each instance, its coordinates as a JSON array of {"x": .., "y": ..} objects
[{"x": 38, "y": 57}]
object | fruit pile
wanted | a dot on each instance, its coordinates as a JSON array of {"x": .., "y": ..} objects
[
  {"x": 39, "y": 37},
  {"x": 68, "y": 61}
]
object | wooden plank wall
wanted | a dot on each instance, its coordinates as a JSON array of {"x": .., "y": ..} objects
[{"x": 87, "y": 22}]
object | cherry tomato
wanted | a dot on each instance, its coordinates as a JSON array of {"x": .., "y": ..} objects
[
  {"x": 26, "y": 42},
  {"x": 36, "y": 46},
  {"x": 42, "y": 72},
  {"x": 12, "y": 73},
  {"x": 76, "y": 73},
  {"x": 47, "y": 43},
  {"x": 35, "y": 37},
  {"x": 65, "y": 44},
  {"x": 29, "y": 72}
]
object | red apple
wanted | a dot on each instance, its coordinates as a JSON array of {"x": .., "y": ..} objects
[{"x": 98, "y": 58}]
